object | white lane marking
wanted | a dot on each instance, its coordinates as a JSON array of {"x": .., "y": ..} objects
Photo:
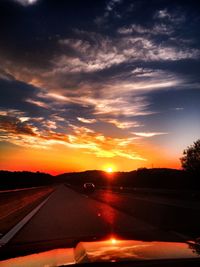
[{"x": 10, "y": 234}]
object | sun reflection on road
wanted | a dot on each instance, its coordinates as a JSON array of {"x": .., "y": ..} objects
[{"x": 113, "y": 241}]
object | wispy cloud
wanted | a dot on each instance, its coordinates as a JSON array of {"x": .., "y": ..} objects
[
  {"x": 13, "y": 125},
  {"x": 173, "y": 17},
  {"x": 123, "y": 124},
  {"x": 105, "y": 52},
  {"x": 157, "y": 29},
  {"x": 84, "y": 120},
  {"x": 24, "y": 134},
  {"x": 110, "y": 10},
  {"x": 26, "y": 2},
  {"x": 111, "y": 4},
  {"x": 98, "y": 89},
  {"x": 103, "y": 146},
  {"x": 5, "y": 76},
  {"x": 148, "y": 134},
  {"x": 37, "y": 103}
]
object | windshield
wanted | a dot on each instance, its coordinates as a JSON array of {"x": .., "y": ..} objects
[{"x": 99, "y": 130}]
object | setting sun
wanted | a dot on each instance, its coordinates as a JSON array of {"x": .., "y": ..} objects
[
  {"x": 109, "y": 169},
  {"x": 113, "y": 241}
]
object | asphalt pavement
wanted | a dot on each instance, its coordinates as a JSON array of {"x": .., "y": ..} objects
[{"x": 69, "y": 216}]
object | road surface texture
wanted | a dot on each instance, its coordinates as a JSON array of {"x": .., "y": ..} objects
[
  {"x": 165, "y": 213},
  {"x": 69, "y": 217}
]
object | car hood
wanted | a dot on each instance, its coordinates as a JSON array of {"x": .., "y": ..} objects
[{"x": 108, "y": 251}]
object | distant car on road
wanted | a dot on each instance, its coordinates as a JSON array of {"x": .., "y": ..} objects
[{"x": 88, "y": 188}]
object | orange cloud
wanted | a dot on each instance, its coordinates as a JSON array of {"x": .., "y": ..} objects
[
  {"x": 14, "y": 125},
  {"x": 83, "y": 138},
  {"x": 148, "y": 134}
]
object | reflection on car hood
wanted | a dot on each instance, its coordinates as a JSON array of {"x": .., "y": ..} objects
[{"x": 109, "y": 251}]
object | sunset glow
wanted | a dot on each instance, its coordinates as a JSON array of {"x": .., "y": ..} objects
[
  {"x": 100, "y": 91},
  {"x": 109, "y": 170},
  {"x": 113, "y": 241}
]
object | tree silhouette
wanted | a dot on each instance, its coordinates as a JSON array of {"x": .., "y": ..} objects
[{"x": 191, "y": 158}]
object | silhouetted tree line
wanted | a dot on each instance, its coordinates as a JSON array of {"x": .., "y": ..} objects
[
  {"x": 191, "y": 159},
  {"x": 142, "y": 178},
  {"x": 12, "y": 180}
]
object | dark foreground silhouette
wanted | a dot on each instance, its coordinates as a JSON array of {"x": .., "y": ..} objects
[{"x": 160, "y": 178}]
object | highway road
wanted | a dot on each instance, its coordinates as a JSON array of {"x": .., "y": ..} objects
[
  {"x": 68, "y": 217},
  {"x": 167, "y": 213}
]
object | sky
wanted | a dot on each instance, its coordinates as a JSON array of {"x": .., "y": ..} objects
[{"x": 98, "y": 84}]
